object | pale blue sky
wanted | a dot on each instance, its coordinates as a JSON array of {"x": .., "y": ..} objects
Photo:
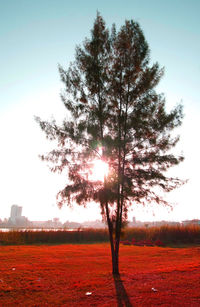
[{"x": 36, "y": 36}]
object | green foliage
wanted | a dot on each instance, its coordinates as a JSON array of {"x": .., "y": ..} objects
[{"x": 116, "y": 115}]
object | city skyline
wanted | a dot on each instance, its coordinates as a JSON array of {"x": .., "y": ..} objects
[{"x": 17, "y": 221}]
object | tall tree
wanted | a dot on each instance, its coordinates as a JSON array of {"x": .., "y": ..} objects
[{"x": 116, "y": 116}]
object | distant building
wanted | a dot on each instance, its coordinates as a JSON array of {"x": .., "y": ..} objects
[
  {"x": 134, "y": 220},
  {"x": 56, "y": 223},
  {"x": 191, "y": 222},
  {"x": 15, "y": 213},
  {"x": 47, "y": 224},
  {"x": 16, "y": 219}
]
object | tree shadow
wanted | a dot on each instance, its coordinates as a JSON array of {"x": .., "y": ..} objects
[{"x": 122, "y": 296}]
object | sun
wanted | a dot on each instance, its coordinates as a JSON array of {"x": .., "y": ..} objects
[{"x": 99, "y": 170}]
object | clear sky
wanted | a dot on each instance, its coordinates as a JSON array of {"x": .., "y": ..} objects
[{"x": 35, "y": 37}]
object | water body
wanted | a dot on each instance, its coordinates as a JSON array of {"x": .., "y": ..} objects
[{"x": 39, "y": 229}]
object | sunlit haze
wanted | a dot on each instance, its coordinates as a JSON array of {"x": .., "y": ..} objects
[
  {"x": 35, "y": 37},
  {"x": 99, "y": 171}
]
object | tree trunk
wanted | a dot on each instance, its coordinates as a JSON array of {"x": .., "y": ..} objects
[
  {"x": 114, "y": 251},
  {"x": 115, "y": 262},
  {"x": 115, "y": 258}
]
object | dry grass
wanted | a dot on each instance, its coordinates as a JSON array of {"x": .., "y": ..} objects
[
  {"x": 53, "y": 236},
  {"x": 167, "y": 234}
]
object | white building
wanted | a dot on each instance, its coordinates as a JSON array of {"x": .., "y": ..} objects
[{"x": 15, "y": 213}]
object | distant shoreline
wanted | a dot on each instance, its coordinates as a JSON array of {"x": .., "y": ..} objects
[{"x": 4, "y": 229}]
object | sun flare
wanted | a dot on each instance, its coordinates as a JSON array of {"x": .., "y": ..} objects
[{"x": 99, "y": 171}]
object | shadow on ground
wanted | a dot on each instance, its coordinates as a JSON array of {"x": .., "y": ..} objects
[{"x": 122, "y": 296}]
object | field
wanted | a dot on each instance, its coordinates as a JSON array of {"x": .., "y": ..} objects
[{"x": 80, "y": 275}]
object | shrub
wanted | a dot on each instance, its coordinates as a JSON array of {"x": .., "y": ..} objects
[
  {"x": 159, "y": 243},
  {"x": 126, "y": 242}
]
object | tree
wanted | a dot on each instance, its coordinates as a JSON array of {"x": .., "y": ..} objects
[{"x": 115, "y": 115}]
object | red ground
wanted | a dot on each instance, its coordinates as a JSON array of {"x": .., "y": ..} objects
[{"x": 62, "y": 275}]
